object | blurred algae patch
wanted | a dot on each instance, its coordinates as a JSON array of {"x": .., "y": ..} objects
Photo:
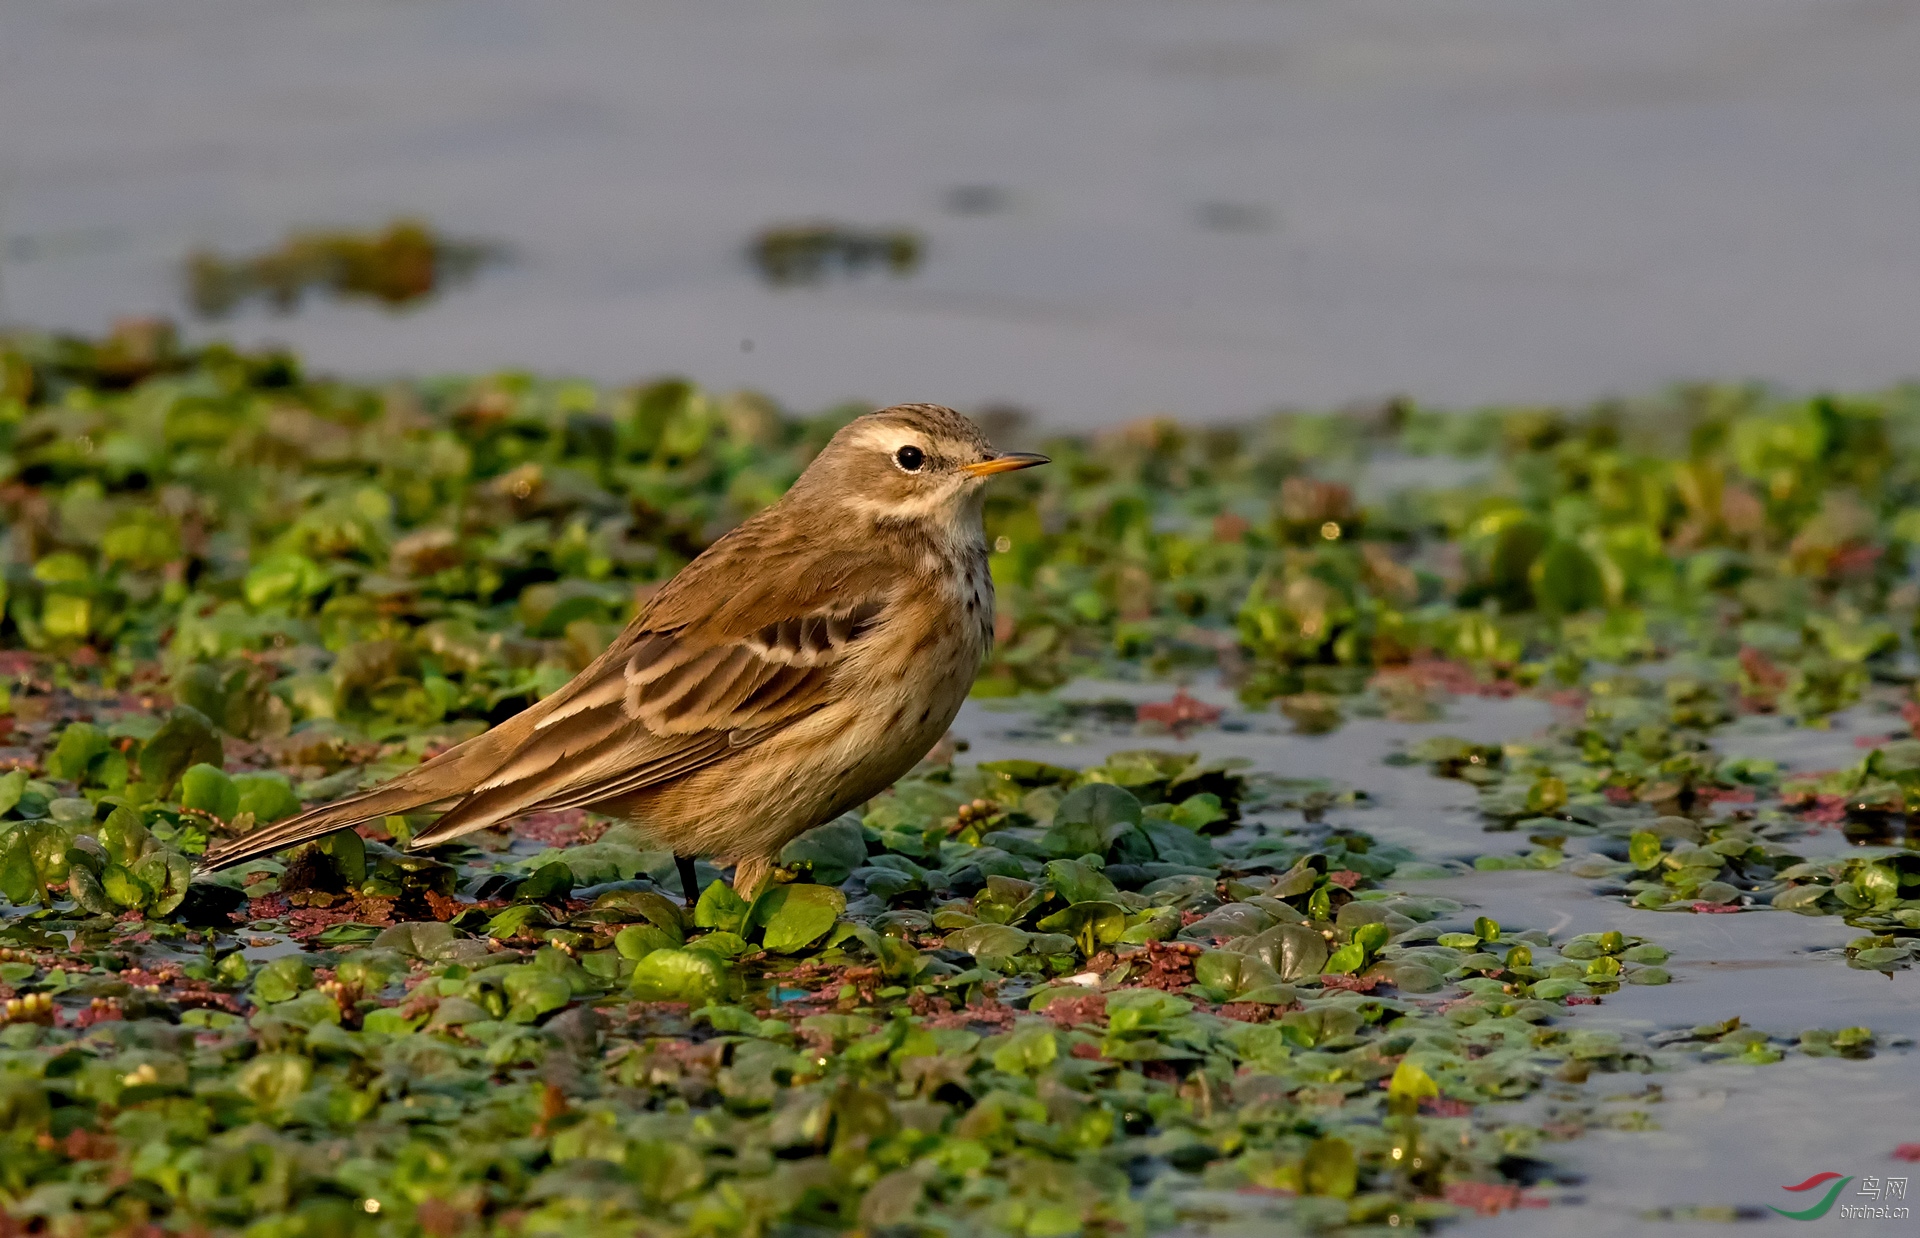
[
  {"x": 405, "y": 262},
  {"x": 811, "y": 253}
]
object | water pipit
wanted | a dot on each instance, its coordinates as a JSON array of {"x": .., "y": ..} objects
[{"x": 793, "y": 670}]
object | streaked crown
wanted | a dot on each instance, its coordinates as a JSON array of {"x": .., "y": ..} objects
[{"x": 911, "y": 462}]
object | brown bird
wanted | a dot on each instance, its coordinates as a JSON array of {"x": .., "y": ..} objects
[{"x": 793, "y": 670}]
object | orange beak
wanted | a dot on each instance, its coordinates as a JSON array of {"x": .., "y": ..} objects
[{"x": 1006, "y": 463}]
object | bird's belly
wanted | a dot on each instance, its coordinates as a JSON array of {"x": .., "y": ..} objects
[{"x": 754, "y": 802}]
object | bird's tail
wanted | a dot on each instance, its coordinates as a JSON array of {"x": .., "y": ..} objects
[
  {"x": 399, "y": 796},
  {"x": 435, "y": 784}
]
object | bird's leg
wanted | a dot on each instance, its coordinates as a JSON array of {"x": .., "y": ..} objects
[
  {"x": 689, "y": 883},
  {"x": 750, "y": 874}
]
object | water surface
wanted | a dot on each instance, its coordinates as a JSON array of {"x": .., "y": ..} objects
[{"x": 1205, "y": 207}]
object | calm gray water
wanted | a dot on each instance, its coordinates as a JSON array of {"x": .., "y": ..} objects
[
  {"x": 1208, "y": 207},
  {"x": 1721, "y": 1136}
]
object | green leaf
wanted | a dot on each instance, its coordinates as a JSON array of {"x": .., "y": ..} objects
[
  {"x": 282, "y": 979},
  {"x": 548, "y": 883},
  {"x": 999, "y": 941},
  {"x": 207, "y": 788},
  {"x": 269, "y": 797},
  {"x": 1176, "y": 844},
  {"x": 1295, "y": 951},
  {"x": 1566, "y": 580},
  {"x": 346, "y": 854},
  {"x": 1372, "y": 938},
  {"x": 1799, "y": 898},
  {"x": 656, "y": 908},
  {"x": 281, "y": 579},
  {"x": 730, "y": 1019},
  {"x": 1877, "y": 884},
  {"x": 1411, "y": 1082},
  {"x": 273, "y": 1081},
  {"x": 1196, "y": 812},
  {"x": 1078, "y": 882},
  {"x": 13, "y": 784},
  {"x": 795, "y": 916},
  {"x": 124, "y": 889},
  {"x": 720, "y": 908},
  {"x": 637, "y": 941},
  {"x": 1643, "y": 849},
  {"x": 1330, "y": 1168},
  {"x": 166, "y": 875},
  {"x": 418, "y": 938},
  {"x": 1029, "y": 1048},
  {"x": 1411, "y": 977},
  {"x": 67, "y": 616},
  {"x": 1091, "y": 925},
  {"x": 79, "y": 745},
  {"x": 186, "y": 739},
  {"x": 1089, "y": 819},
  {"x": 829, "y": 853},
  {"x": 84, "y": 887},
  {"x": 608, "y": 860},
  {"x": 1240, "y": 975},
  {"x": 19, "y": 875},
  {"x": 1031, "y": 773},
  {"x": 516, "y": 920},
  {"x": 1486, "y": 928},
  {"x": 1153, "y": 924},
  {"x": 370, "y": 970},
  {"x": 677, "y": 975},
  {"x": 389, "y": 1021},
  {"x": 123, "y": 837},
  {"x": 1346, "y": 960},
  {"x": 532, "y": 992},
  {"x": 1144, "y": 1010}
]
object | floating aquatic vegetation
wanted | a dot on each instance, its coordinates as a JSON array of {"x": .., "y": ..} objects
[
  {"x": 142, "y": 470},
  {"x": 1158, "y": 992},
  {"x": 404, "y": 262},
  {"x": 809, "y": 253},
  {"x": 1014, "y": 996}
]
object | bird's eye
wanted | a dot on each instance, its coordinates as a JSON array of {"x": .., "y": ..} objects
[{"x": 910, "y": 458}]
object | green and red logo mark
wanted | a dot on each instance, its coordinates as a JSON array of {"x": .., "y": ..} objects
[{"x": 1825, "y": 1205}]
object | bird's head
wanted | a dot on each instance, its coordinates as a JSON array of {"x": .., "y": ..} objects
[{"x": 910, "y": 463}]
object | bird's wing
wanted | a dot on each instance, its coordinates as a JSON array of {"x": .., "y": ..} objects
[
  {"x": 671, "y": 704},
  {"x": 684, "y": 686}
]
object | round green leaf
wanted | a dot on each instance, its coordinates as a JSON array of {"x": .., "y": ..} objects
[
  {"x": 282, "y": 980},
  {"x": 998, "y": 941},
  {"x": 795, "y": 916},
  {"x": 676, "y": 975},
  {"x": 207, "y": 788}
]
